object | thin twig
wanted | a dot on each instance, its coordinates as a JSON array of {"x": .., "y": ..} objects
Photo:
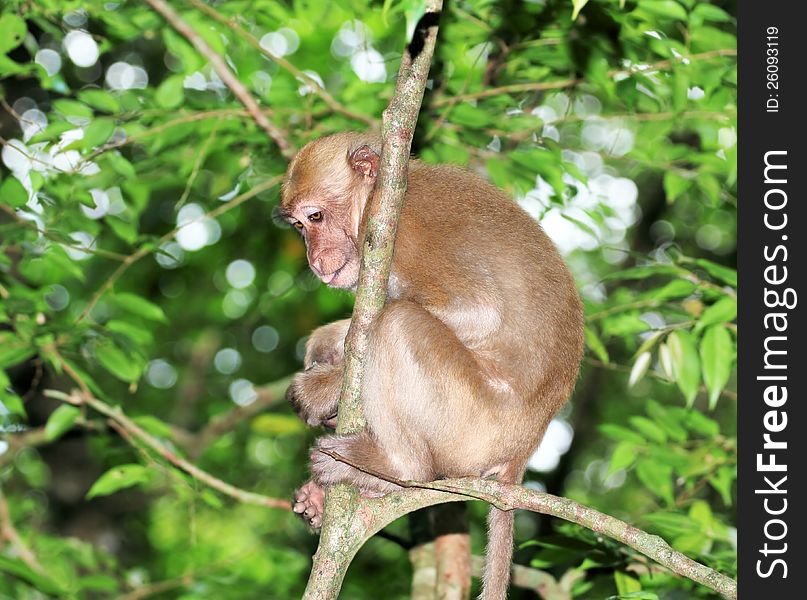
[
  {"x": 86, "y": 398},
  {"x": 219, "y": 113},
  {"x": 138, "y": 433},
  {"x": 157, "y": 588},
  {"x": 230, "y": 80},
  {"x": 10, "y": 533},
  {"x": 149, "y": 248},
  {"x": 537, "y": 86},
  {"x": 197, "y": 165},
  {"x": 242, "y": 33},
  {"x": 33, "y": 226}
]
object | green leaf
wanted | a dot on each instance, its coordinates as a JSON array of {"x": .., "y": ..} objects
[
  {"x": 699, "y": 423},
  {"x": 13, "y": 350},
  {"x": 722, "y": 482},
  {"x": 685, "y": 363},
  {"x": 717, "y": 357},
  {"x": 13, "y": 193},
  {"x": 43, "y": 583},
  {"x": 12, "y": 402},
  {"x": 470, "y": 116},
  {"x": 71, "y": 108},
  {"x": 595, "y": 345},
  {"x": 623, "y": 457},
  {"x": 137, "y": 334},
  {"x": 582, "y": 225},
  {"x": 668, "y": 9},
  {"x": 12, "y": 32},
  {"x": 709, "y": 12},
  {"x": 677, "y": 288},
  {"x": 154, "y": 426},
  {"x": 118, "y": 478},
  {"x": 722, "y": 311},
  {"x": 625, "y": 583},
  {"x": 117, "y": 362},
  {"x": 645, "y": 271},
  {"x": 671, "y": 523},
  {"x": 668, "y": 420},
  {"x": 717, "y": 271},
  {"x": 100, "y": 100},
  {"x": 710, "y": 186},
  {"x": 170, "y": 94},
  {"x": 97, "y": 133},
  {"x": 675, "y": 185},
  {"x": 657, "y": 478},
  {"x": 137, "y": 305},
  {"x": 648, "y": 429},
  {"x": 620, "y": 433},
  {"x": 60, "y": 421},
  {"x": 577, "y": 6}
]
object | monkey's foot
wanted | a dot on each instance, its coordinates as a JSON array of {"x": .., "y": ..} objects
[{"x": 309, "y": 503}]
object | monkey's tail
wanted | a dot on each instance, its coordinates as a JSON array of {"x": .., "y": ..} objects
[
  {"x": 498, "y": 554},
  {"x": 499, "y": 551}
]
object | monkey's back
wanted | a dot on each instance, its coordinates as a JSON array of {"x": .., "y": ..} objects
[{"x": 491, "y": 267}]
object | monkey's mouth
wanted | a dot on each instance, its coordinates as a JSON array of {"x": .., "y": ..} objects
[{"x": 327, "y": 279}]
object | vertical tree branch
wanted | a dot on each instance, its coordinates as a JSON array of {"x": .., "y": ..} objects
[{"x": 339, "y": 539}]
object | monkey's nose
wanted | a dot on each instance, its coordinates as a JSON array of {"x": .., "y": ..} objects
[{"x": 316, "y": 265}]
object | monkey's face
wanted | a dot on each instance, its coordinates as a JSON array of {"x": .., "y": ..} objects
[
  {"x": 331, "y": 247},
  {"x": 327, "y": 186}
]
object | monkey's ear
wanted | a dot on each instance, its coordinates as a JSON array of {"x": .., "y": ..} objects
[{"x": 365, "y": 162}]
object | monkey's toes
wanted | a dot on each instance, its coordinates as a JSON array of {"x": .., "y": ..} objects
[{"x": 309, "y": 503}]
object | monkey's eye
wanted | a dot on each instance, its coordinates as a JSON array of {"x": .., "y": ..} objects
[
  {"x": 317, "y": 216},
  {"x": 298, "y": 226}
]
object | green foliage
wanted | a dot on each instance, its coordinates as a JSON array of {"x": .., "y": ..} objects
[{"x": 138, "y": 257}]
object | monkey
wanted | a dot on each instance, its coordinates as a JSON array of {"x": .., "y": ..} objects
[{"x": 477, "y": 347}]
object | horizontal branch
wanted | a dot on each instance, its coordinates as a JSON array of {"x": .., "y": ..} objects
[
  {"x": 268, "y": 395},
  {"x": 505, "y": 496}
]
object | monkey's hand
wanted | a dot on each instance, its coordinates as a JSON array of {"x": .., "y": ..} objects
[
  {"x": 309, "y": 503},
  {"x": 314, "y": 394}
]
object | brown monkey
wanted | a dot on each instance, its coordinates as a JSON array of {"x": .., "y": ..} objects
[{"x": 478, "y": 345}]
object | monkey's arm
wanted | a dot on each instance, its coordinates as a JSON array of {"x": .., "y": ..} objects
[
  {"x": 314, "y": 393},
  {"x": 326, "y": 345}
]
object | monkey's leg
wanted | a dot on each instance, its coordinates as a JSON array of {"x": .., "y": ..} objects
[
  {"x": 360, "y": 449},
  {"x": 428, "y": 402}
]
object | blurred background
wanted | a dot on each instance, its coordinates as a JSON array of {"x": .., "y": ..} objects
[{"x": 139, "y": 261}]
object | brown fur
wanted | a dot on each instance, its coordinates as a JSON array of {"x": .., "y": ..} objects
[{"x": 477, "y": 348}]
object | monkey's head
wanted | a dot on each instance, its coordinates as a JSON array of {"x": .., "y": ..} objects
[{"x": 326, "y": 189}]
